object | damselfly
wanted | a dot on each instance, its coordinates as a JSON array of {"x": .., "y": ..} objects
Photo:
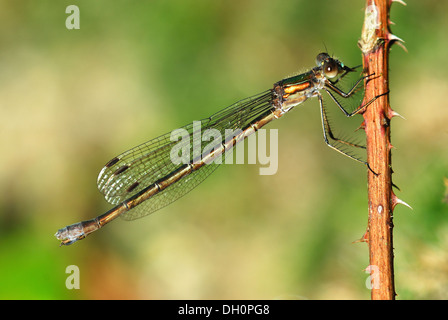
[{"x": 145, "y": 179}]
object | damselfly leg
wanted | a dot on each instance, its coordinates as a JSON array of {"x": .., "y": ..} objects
[{"x": 331, "y": 89}]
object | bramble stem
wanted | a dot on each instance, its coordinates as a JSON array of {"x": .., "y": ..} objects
[{"x": 375, "y": 44}]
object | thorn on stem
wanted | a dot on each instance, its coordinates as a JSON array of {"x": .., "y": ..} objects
[
  {"x": 395, "y": 200},
  {"x": 391, "y": 113},
  {"x": 364, "y": 238},
  {"x": 391, "y": 146},
  {"x": 399, "y": 1},
  {"x": 394, "y": 39},
  {"x": 362, "y": 126}
]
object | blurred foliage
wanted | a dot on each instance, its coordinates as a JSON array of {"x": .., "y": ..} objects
[{"x": 73, "y": 99}]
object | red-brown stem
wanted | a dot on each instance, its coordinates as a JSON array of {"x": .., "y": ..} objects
[{"x": 375, "y": 43}]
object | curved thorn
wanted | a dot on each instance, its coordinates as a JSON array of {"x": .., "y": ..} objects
[
  {"x": 400, "y": 1},
  {"x": 393, "y": 37},
  {"x": 396, "y": 200},
  {"x": 393, "y": 113},
  {"x": 402, "y": 46},
  {"x": 364, "y": 238}
]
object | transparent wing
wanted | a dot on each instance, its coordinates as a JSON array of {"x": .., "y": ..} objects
[{"x": 134, "y": 170}]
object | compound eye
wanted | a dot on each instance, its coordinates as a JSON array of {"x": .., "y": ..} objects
[{"x": 331, "y": 69}]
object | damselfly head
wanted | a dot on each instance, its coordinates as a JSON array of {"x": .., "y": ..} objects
[{"x": 331, "y": 67}]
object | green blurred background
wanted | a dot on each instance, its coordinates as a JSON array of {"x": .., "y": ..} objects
[{"x": 71, "y": 100}]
